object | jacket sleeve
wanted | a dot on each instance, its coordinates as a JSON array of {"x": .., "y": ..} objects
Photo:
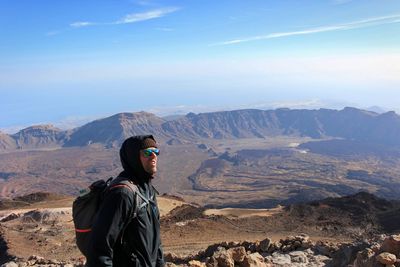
[
  {"x": 112, "y": 216},
  {"x": 160, "y": 255}
]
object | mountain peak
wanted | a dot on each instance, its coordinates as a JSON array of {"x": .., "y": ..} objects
[
  {"x": 113, "y": 130},
  {"x": 41, "y": 127},
  {"x": 45, "y": 135}
]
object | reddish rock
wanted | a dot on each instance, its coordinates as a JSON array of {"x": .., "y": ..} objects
[
  {"x": 253, "y": 260},
  {"x": 392, "y": 245},
  {"x": 194, "y": 263},
  {"x": 238, "y": 253},
  {"x": 386, "y": 258},
  {"x": 170, "y": 257},
  {"x": 224, "y": 258}
]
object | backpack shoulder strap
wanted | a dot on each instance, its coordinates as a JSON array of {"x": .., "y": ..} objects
[
  {"x": 123, "y": 182},
  {"x": 141, "y": 200}
]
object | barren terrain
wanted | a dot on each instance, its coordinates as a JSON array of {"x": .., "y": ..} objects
[{"x": 243, "y": 173}]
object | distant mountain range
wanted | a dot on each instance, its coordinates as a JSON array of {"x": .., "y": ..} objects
[{"x": 348, "y": 123}]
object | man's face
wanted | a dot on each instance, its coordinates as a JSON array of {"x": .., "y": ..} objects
[{"x": 148, "y": 158}]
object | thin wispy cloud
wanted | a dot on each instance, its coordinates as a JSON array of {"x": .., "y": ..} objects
[
  {"x": 157, "y": 13},
  {"x": 130, "y": 18},
  {"x": 52, "y": 33},
  {"x": 369, "y": 22},
  {"x": 81, "y": 24}
]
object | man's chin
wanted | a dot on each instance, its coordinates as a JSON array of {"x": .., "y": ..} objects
[{"x": 152, "y": 172}]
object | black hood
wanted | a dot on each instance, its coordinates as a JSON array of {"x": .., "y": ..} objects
[{"x": 130, "y": 159}]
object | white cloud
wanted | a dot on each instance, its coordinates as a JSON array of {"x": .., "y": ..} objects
[
  {"x": 339, "y": 27},
  {"x": 80, "y": 24},
  {"x": 130, "y": 18},
  {"x": 157, "y": 13}
]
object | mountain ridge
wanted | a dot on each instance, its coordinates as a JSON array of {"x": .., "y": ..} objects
[{"x": 348, "y": 123}]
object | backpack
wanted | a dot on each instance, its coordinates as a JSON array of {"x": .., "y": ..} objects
[{"x": 86, "y": 206}]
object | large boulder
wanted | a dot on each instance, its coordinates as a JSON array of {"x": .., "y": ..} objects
[
  {"x": 392, "y": 245},
  {"x": 253, "y": 260},
  {"x": 224, "y": 258},
  {"x": 237, "y": 253},
  {"x": 386, "y": 258}
]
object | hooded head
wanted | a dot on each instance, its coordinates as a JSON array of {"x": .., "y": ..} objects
[{"x": 130, "y": 157}]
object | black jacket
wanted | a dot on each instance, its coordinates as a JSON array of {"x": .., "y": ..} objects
[{"x": 116, "y": 239}]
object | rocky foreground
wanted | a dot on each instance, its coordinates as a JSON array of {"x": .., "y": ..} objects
[
  {"x": 335, "y": 232},
  {"x": 296, "y": 251}
]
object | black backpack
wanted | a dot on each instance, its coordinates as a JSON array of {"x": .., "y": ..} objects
[{"x": 85, "y": 207}]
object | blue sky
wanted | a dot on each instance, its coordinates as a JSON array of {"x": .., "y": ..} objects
[{"x": 66, "y": 62}]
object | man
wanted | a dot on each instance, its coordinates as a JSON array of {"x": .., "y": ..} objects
[{"x": 117, "y": 239}]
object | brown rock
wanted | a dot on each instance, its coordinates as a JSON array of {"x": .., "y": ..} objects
[
  {"x": 238, "y": 253},
  {"x": 253, "y": 260},
  {"x": 194, "y": 263},
  {"x": 170, "y": 257},
  {"x": 386, "y": 258},
  {"x": 392, "y": 245},
  {"x": 224, "y": 258}
]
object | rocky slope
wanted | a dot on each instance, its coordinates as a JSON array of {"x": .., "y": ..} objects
[
  {"x": 7, "y": 143},
  {"x": 40, "y": 136}
]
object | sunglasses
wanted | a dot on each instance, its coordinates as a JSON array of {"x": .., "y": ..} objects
[{"x": 147, "y": 152}]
